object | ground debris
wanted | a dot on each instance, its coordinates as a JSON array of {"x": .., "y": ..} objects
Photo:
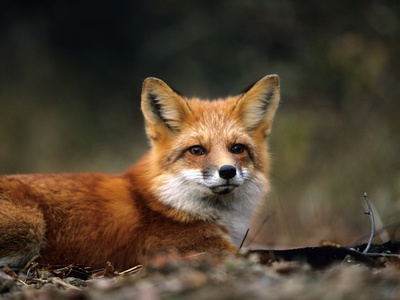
[
  {"x": 330, "y": 253},
  {"x": 209, "y": 276}
]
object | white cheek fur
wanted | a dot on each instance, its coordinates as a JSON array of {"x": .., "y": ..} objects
[{"x": 188, "y": 191}]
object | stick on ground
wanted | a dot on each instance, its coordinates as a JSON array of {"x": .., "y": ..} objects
[{"x": 371, "y": 215}]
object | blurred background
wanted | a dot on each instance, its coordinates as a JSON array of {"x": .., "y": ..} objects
[{"x": 71, "y": 75}]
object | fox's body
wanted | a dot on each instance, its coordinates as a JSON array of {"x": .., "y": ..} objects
[{"x": 194, "y": 191}]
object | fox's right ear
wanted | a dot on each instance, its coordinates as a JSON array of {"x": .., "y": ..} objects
[{"x": 163, "y": 108}]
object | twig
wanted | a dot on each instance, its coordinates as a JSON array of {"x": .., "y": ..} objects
[
  {"x": 194, "y": 255},
  {"x": 258, "y": 230},
  {"x": 244, "y": 238},
  {"x": 22, "y": 282},
  {"x": 133, "y": 270},
  {"x": 383, "y": 254},
  {"x": 371, "y": 215},
  {"x": 56, "y": 280}
]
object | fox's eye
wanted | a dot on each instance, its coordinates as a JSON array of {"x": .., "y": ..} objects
[
  {"x": 237, "y": 148},
  {"x": 197, "y": 150}
]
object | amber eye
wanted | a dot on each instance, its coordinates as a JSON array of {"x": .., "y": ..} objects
[
  {"x": 237, "y": 148},
  {"x": 197, "y": 150}
]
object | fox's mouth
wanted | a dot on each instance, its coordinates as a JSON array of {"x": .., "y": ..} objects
[{"x": 223, "y": 189}]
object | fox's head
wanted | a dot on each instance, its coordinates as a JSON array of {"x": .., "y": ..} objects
[{"x": 211, "y": 156}]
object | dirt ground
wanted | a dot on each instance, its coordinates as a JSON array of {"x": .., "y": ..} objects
[{"x": 206, "y": 276}]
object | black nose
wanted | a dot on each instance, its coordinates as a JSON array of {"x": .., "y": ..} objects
[{"x": 227, "y": 172}]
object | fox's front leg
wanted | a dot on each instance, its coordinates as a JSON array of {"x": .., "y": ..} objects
[{"x": 22, "y": 230}]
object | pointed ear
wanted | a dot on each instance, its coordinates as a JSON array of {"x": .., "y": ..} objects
[
  {"x": 162, "y": 107},
  {"x": 257, "y": 106}
]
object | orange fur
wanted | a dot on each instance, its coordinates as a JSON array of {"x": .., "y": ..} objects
[{"x": 177, "y": 197}]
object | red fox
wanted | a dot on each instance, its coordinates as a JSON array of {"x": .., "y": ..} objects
[{"x": 194, "y": 191}]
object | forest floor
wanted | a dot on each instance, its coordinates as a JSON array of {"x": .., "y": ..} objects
[{"x": 210, "y": 276}]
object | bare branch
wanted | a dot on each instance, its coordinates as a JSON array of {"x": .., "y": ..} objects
[
  {"x": 258, "y": 230},
  {"x": 244, "y": 238},
  {"x": 371, "y": 215}
]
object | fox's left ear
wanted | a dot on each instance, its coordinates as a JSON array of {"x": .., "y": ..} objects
[{"x": 257, "y": 106}]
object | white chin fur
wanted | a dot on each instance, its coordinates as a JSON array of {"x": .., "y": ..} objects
[{"x": 229, "y": 206}]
